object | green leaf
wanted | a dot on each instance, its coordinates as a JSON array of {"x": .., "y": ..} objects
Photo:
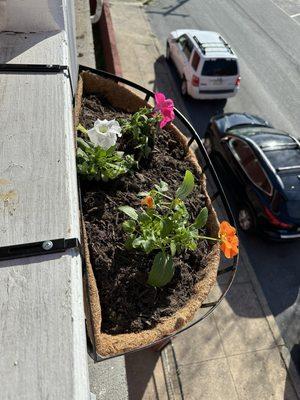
[
  {"x": 100, "y": 164},
  {"x": 83, "y": 144},
  {"x": 82, "y": 129},
  {"x": 201, "y": 219},
  {"x": 162, "y": 187},
  {"x": 138, "y": 242},
  {"x": 144, "y": 218},
  {"x": 162, "y": 270},
  {"x": 148, "y": 245},
  {"x": 173, "y": 248},
  {"x": 111, "y": 150},
  {"x": 147, "y": 151},
  {"x": 129, "y": 226},
  {"x": 128, "y": 243},
  {"x": 167, "y": 227},
  {"x": 187, "y": 185},
  {"x": 82, "y": 154},
  {"x": 129, "y": 211}
]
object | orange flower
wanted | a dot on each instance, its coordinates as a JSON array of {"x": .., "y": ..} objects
[
  {"x": 229, "y": 240},
  {"x": 148, "y": 201}
]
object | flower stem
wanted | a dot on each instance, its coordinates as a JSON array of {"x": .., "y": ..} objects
[
  {"x": 209, "y": 238},
  {"x": 166, "y": 196},
  {"x": 82, "y": 129}
]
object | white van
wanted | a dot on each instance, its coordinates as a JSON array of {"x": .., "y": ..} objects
[{"x": 207, "y": 65}]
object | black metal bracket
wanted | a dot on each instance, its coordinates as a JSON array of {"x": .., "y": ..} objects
[
  {"x": 37, "y": 69},
  {"x": 38, "y": 248},
  {"x": 46, "y": 246}
]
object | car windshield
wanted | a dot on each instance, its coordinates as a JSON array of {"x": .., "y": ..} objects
[
  {"x": 284, "y": 158},
  {"x": 220, "y": 67},
  {"x": 268, "y": 140}
]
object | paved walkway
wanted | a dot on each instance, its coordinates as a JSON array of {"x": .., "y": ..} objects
[{"x": 236, "y": 353}]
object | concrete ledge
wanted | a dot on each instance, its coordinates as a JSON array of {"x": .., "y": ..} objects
[
  {"x": 84, "y": 35},
  {"x": 108, "y": 39}
]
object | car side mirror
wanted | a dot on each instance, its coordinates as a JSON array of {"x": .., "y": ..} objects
[{"x": 225, "y": 139}]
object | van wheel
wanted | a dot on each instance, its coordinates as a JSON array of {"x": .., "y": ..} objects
[
  {"x": 246, "y": 219},
  {"x": 184, "y": 87},
  {"x": 168, "y": 51}
]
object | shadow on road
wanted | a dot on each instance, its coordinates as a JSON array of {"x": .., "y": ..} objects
[
  {"x": 197, "y": 111},
  {"x": 171, "y": 10},
  {"x": 292, "y": 379},
  {"x": 276, "y": 265},
  {"x": 295, "y": 353}
]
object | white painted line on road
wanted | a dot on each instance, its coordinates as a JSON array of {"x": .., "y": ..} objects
[
  {"x": 286, "y": 13},
  {"x": 295, "y": 15}
]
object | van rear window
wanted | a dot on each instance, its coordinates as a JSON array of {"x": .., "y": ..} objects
[{"x": 220, "y": 67}]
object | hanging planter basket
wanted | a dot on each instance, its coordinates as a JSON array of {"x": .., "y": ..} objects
[{"x": 107, "y": 342}]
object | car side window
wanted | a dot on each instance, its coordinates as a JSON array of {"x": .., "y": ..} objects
[
  {"x": 182, "y": 41},
  {"x": 195, "y": 60},
  {"x": 188, "y": 49},
  {"x": 250, "y": 164},
  {"x": 186, "y": 45}
]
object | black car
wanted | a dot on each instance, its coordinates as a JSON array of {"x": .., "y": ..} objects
[{"x": 262, "y": 165}]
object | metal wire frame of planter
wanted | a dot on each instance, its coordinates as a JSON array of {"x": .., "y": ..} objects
[{"x": 217, "y": 195}]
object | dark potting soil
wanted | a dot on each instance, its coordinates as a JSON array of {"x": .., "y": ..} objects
[{"x": 128, "y": 304}]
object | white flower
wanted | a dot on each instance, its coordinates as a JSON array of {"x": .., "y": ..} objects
[{"x": 105, "y": 133}]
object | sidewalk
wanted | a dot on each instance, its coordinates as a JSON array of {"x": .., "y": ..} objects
[{"x": 237, "y": 352}]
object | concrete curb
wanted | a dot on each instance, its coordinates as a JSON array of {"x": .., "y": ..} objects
[
  {"x": 108, "y": 40},
  {"x": 84, "y": 35}
]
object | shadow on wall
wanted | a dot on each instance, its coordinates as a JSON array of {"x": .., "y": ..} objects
[{"x": 13, "y": 44}]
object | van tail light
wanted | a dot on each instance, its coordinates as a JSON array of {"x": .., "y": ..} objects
[
  {"x": 195, "y": 80},
  {"x": 275, "y": 221},
  {"x": 238, "y": 81}
]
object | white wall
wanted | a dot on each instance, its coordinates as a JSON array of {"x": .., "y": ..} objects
[
  {"x": 31, "y": 15},
  {"x": 42, "y": 325}
]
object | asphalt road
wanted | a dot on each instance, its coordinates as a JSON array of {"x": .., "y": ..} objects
[{"x": 265, "y": 34}]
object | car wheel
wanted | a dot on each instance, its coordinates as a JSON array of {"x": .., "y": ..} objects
[
  {"x": 207, "y": 144},
  {"x": 168, "y": 52},
  {"x": 184, "y": 87},
  {"x": 246, "y": 219}
]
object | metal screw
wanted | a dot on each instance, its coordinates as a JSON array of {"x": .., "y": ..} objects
[{"x": 47, "y": 245}]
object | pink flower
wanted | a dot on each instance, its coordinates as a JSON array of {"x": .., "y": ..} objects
[{"x": 165, "y": 107}]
